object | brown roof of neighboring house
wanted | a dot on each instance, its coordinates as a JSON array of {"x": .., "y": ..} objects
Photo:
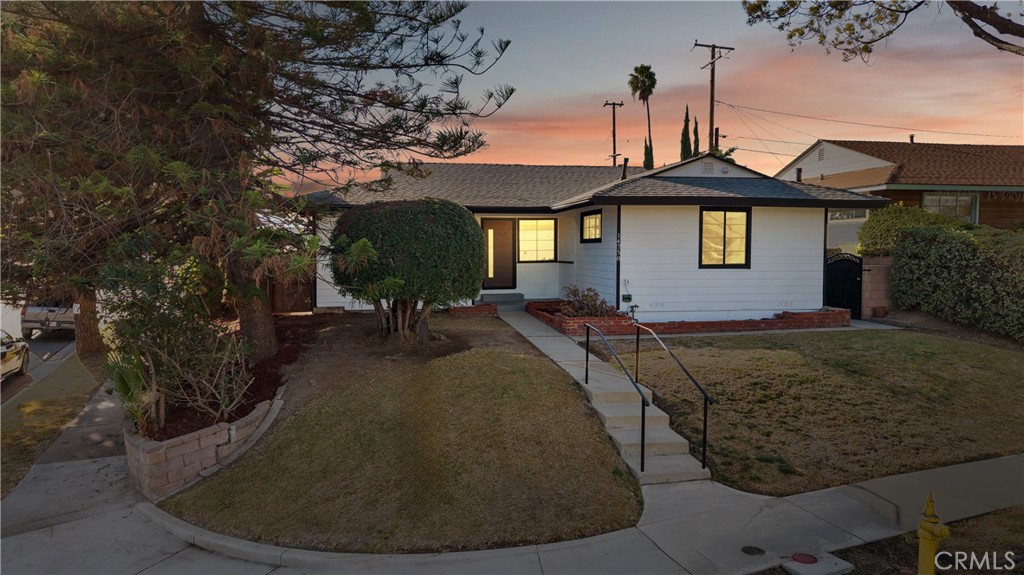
[{"x": 937, "y": 164}]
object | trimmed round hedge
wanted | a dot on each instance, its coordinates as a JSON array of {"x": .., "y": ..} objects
[{"x": 428, "y": 250}]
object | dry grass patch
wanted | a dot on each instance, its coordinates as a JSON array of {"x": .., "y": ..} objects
[
  {"x": 805, "y": 411},
  {"x": 41, "y": 423},
  {"x": 478, "y": 449}
]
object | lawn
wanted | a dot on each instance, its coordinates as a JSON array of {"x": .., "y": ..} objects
[
  {"x": 803, "y": 411},
  {"x": 478, "y": 442}
]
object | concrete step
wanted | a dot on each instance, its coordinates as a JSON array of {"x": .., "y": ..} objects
[
  {"x": 510, "y": 306},
  {"x": 666, "y": 469},
  {"x": 619, "y": 415},
  {"x": 500, "y": 298},
  {"x": 659, "y": 441},
  {"x": 604, "y": 389}
]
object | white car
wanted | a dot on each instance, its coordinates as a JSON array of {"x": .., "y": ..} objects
[
  {"x": 14, "y": 354},
  {"x": 48, "y": 316}
]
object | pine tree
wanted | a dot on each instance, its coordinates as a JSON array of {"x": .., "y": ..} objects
[
  {"x": 648, "y": 156},
  {"x": 686, "y": 152},
  {"x": 696, "y": 138}
]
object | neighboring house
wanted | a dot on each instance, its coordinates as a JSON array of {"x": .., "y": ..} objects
[
  {"x": 979, "y": 183},
  {"x": 703, "y": 239}
]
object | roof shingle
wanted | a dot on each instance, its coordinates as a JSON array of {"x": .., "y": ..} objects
[{"x": 941, "y": 164}]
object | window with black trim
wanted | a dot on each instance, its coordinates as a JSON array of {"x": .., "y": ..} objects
[
  {"x": 590, "y": 227},
  {"x": 725, "y": 237},
  {"x": 537, "y": 240}
]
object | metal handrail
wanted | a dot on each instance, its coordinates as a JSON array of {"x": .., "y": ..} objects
[
  {"x": 644, "y": 402},
  {"x": 708, "y": 400}
]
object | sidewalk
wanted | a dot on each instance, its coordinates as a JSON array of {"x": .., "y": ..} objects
[{"x": 75, "y": 513}]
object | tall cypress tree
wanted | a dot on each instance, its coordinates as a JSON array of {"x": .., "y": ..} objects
[
  {"x": 696, "y": 139},
  {"x": 648, "y": 155},
  {"x": 686, "y": 151}
]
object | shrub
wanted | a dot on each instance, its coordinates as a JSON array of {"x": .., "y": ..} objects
[
  {"x": 973, "y": 277},
  {"x": 408, "y": 257},
  {"x": 585, "y": 303},
  {"x": 166, "y": 348},
  {"x": 878, "y": 234}
]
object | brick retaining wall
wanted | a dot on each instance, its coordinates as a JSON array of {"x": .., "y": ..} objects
[
  {"x": 158, "y": 468},
  {"x": 478, "y": 310},
  {"x": 547, "y": 312}
]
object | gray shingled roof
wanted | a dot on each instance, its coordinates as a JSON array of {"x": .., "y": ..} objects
[
  {"x": 482, "y": 186},
  {"x": 506, "y": 187},
  {"x": 740, "y": 191}
]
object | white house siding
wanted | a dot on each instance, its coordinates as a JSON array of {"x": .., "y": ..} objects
[
  {"x": 660, "y": 256},
  {"x": 535, "y": 280},
  {"x": 834, "y": 160},
  {"x": 327, "y": 295},
  {"x": 594, "y": 263}
]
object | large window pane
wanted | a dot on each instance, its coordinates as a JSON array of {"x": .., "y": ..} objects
[
  {"x": 536, "y": 240},
  {"x": 724, "y": 238},
  {"x": 962, "y": 205}
]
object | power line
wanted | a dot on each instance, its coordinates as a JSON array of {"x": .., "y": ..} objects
[
  {"x": 767, "y": 152},
  {"x": 767, "y": 140},
  {"x": 736, "y": 106}
]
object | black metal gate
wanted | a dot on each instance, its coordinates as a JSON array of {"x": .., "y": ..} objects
[{"x": 842, "y": 283}]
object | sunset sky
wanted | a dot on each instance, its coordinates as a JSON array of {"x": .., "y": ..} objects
[{"x": 568, "y": 58}]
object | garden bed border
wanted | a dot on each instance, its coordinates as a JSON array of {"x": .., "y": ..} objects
[
  {"x": 548, "y": 312},
  {"x": 159, "y": 469}
]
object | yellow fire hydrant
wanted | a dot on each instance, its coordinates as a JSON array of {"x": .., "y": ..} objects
[{"x": 929, "y": 532}]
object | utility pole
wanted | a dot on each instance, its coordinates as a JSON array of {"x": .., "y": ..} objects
[
  {"x": 716, "y": 54},
  {"x": 613, "y": 105}
]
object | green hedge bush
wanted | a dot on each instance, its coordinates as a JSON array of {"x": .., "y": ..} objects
[
  {"x": 407, "y": 257},
  {"x": 878, "y": 234},
  {"x": 973, "y": 277}
]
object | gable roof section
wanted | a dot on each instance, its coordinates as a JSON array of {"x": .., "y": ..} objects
[
  {"x": 933, "y": 164},
  {"x": 751, "y": 188},
  {"x": 482, "y": 187}
]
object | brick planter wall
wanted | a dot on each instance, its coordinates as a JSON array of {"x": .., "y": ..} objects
[
  {"x": 478, "y": 310},
  {"x": 159, "y": 468},
  {"x": 547, "y": 312},
  {"x": 875, "y": 286}
]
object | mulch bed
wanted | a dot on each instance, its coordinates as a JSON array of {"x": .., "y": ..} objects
[{"x": 294, "y": 335}]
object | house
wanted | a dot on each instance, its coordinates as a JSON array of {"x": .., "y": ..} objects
[
  {"x": 981, "y": 184},
  {"x": 703, "y": 239}
]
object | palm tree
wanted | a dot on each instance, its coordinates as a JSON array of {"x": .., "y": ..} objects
[{"x": 641, "y": 85}]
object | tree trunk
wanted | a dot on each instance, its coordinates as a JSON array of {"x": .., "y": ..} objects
[
  {"x": 650, "y": 139},
  {"x": 88, "y": 340},
  {"x": 255, "y": 312}
]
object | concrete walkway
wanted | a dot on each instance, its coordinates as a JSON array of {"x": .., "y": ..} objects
[{"x": 75, "y": 513}]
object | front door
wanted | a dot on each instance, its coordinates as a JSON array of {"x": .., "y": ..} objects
[{"x": 499, "y": 238}]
